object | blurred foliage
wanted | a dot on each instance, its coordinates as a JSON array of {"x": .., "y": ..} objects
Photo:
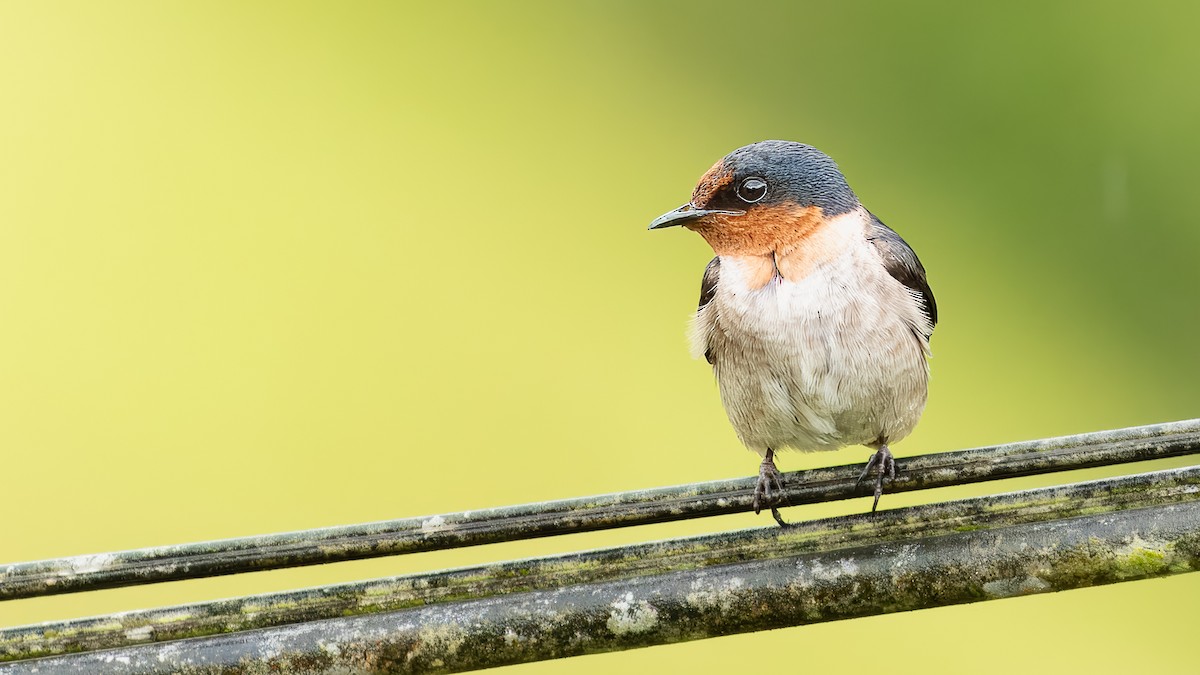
[{"x": 270, "y": 266}]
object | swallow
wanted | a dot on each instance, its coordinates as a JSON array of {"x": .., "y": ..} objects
[{"x": 815, "y": 316}]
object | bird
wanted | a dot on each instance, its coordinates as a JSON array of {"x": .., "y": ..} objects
[{"x": 815, "y": 316}]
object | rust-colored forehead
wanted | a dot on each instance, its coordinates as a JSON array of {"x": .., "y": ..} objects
[{"x": 711, "y": 183}]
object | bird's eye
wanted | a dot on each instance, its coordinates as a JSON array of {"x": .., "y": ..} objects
[{"x": 752, "y": 190}]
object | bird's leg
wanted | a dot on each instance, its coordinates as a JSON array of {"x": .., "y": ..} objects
[
  {"x": 883, "y": 463},
  {"x": 768, "y": 478}
]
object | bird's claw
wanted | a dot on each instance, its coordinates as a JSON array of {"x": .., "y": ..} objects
[
  {"x": 884, "y": 464},
  {"x": 768, "y": 478}
]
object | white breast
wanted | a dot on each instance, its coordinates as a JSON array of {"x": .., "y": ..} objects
[{"x": 836, "y": 358}]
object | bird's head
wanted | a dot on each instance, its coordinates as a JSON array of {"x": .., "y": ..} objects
[{"x": 764, "y": 197}]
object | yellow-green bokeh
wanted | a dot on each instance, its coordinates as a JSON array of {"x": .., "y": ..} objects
[{"x": 272, "y": 266}]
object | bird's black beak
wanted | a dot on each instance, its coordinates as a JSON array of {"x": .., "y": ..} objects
[{"x": 686, "y": 214}]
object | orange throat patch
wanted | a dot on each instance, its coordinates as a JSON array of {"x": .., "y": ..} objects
[{"x": 787, "y": 241}]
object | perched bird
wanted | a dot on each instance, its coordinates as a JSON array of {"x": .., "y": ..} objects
[{"x": 815, "y": 316}]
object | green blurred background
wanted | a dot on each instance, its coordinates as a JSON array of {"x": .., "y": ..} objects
[{"x": 273, "y": 266}]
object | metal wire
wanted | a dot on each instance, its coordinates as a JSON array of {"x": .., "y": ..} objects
[
  {"x": 208, "y": 618},
  {"x": 451, "y": 530},
  {"x": 985, "y": 548}
]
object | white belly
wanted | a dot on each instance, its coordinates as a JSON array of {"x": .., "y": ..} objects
[{"x": 833, "y": 359}]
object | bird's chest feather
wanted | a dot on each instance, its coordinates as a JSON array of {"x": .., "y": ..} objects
[
  {"x": 807, "y": 323},
  {"x": 817, "y": 362}
]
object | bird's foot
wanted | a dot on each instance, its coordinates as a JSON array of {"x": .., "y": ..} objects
[
  {"x": 882, "y": 464},
  {"x": 769, "y": 479}
]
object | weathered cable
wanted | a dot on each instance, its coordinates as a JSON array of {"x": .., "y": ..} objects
[
  {"x": 756, "y": 592},
  {"x": 470, "y": 528},
  {"x": 1172, "y": 487}
]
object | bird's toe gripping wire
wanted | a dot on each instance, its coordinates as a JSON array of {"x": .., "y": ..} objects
[
  {"x": 882, "y": 463},
  {"x": 769, "y": 479}
]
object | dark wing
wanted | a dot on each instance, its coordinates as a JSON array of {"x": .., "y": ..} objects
[
  {"x": 708, "y": 288},
  {"x": 902, "y": 263}
]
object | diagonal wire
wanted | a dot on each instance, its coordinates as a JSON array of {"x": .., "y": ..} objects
[
  {"x": 1033, "y": 541},
  {"x": 471, "y": 528}
]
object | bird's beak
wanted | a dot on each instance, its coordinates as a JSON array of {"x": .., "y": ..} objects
[{"x": 685, "y": 214}]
